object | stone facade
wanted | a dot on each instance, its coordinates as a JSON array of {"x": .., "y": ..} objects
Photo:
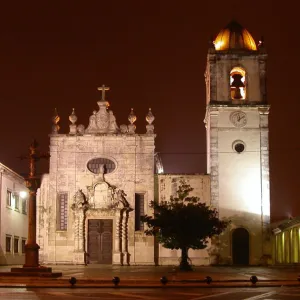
[
  {"x": 13, "y": 217},
  {"x": 238, "y": 151},
  {"x": 96, "y": 193}
]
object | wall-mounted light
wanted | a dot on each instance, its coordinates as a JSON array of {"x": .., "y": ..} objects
[{"x": 23, "y": 194}]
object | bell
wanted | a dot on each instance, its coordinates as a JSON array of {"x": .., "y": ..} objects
[
  {"x": 237, "y": 84},
  {"x": 237, "y": 94},
  {"x": 237, "y": 80}
]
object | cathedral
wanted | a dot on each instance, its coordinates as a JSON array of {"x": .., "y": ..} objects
[{"x": 103, "y": 176}]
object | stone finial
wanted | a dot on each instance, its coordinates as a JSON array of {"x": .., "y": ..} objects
[
  {"x": 55, "y": 120},
  {"x": 123, "y": 128},
  {"x": 150, "y": 118},
  {"x": 73, "y": 119},
  {"x": 131, "y": 119},
  {"x": 80, "y": 129}
]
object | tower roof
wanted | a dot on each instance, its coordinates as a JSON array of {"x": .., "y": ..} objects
[{"x": 234, "y": 37}]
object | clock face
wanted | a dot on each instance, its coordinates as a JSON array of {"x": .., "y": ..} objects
[{"x": 238, "y": 119}]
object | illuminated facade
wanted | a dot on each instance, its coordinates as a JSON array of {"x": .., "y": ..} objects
[
  {"x": 286, "y": 241},
  {"x": 238, "y": 145},
  {"x": 13, "y": 217},
  {"x": 102, "y": 178}
]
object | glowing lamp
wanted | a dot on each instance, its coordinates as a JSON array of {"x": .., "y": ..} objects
[{"x": 23, "y": 194}]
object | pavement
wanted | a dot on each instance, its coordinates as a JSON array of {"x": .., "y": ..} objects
[{"x": 95, "y": 276}]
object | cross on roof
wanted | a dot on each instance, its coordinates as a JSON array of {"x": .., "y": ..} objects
[{"x": 103, "y": 88}]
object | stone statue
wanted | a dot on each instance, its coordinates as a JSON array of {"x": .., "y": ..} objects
[
  {"x": 113, "y": 127},
  {"x": 92, "y": 128}
]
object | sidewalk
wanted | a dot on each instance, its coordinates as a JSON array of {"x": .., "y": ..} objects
[{"x": 149, "y": 276}]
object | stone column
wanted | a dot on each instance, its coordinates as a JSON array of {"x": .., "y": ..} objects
[
  {"x": 125, "y": 237},
  {"x": 117, "y": 256},
  {"x": 76, "y": 230},
  {"x": 32, "y": 248}
]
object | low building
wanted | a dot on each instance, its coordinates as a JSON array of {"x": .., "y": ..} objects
[
  {"x": 286, "y": 240},
  {"x": 13, "y": 217}
]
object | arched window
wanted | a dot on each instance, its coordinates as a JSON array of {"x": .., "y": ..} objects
[{"x": 238, "y": 84}]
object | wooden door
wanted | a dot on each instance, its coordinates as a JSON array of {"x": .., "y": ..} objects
[{"x": 100, "y": 241}]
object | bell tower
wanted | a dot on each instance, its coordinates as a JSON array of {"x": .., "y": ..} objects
[{"x": 238, "y": 145}]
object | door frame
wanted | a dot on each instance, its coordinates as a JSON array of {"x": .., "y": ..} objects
[{"x": 112, "y": 234}]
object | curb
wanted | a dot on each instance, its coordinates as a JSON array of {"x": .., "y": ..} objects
[{"x": 153, "y": 285}]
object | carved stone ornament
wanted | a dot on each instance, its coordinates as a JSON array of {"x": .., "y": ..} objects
[
  {"x": 102, "y": 121},
  {"x": 124, "y": 128},
  {"x": 73, "y": 117},
  {"x": 55, "y": 120},
  {"x": 79, "y": 201},
  {"x": 149, "y": 117},
  {"x": 103, "y": 197},
  {"x": 102, "y": 200}
]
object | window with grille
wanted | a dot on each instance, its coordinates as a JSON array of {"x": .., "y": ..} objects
[
  {"x": 96, "y": 164},
  {"x": 17, "y": 202},
  {"x": 24, "y": 206},
  {"x": 23, "y": 245},
  {"x": 8, "y": 198},
  {"x": 16, "y": 244},
  {"x": 62, "y": 205},
  {"x": 8, "y": 243},
  {"x": 139, "y": 211}
]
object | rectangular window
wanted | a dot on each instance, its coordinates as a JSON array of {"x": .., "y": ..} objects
[
  {"x": 17, "y": 201},
  {"x": 62, "y": 213},
  {"x": 8, "y": 198},
  {"x": 139, "y": 211},
  {"x": 24, "y": 206},
  {"x": 23, "y": 245},
  {"x": 16, "y": 244},
  {"x": 8, "y": 243}
]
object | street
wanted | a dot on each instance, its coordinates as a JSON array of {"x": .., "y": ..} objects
[{"x": 282, "y": 293}]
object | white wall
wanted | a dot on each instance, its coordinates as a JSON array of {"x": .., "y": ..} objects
[{"x": 12, "y": 221}]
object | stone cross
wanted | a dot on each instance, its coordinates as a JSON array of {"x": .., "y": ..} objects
[
  {"x": 32, "y": 183},
  {"x": 103, "y": 88}
]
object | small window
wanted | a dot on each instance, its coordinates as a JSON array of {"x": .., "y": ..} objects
[
  {"x": 8, "y": 198},
  {"x": 238, "y": 84},
  {"x": 16, "y": 244},
  {"x": 139, "y": 211},
  {"x": 238, "y": 146},
  {"x": 62, "y": 211},
  {"x": 24, "y": 206},
  {"x": 8, "y": 243},
  {"x": 17, "y": 201},
  {"x": 23, "y": 245}
]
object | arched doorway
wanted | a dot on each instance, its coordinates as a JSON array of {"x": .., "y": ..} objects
[{"x": 240, "y": 246}]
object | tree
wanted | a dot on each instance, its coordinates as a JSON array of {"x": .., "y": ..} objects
[{"x": 183, "y": 223}]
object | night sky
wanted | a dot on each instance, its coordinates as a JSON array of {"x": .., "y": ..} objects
[{"x": 151, "y": 54}]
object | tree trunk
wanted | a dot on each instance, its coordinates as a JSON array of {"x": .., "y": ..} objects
[{"x": 184, "y": 264}]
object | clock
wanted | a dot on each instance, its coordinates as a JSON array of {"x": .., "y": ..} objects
[{"x": 238, "y": 119}]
